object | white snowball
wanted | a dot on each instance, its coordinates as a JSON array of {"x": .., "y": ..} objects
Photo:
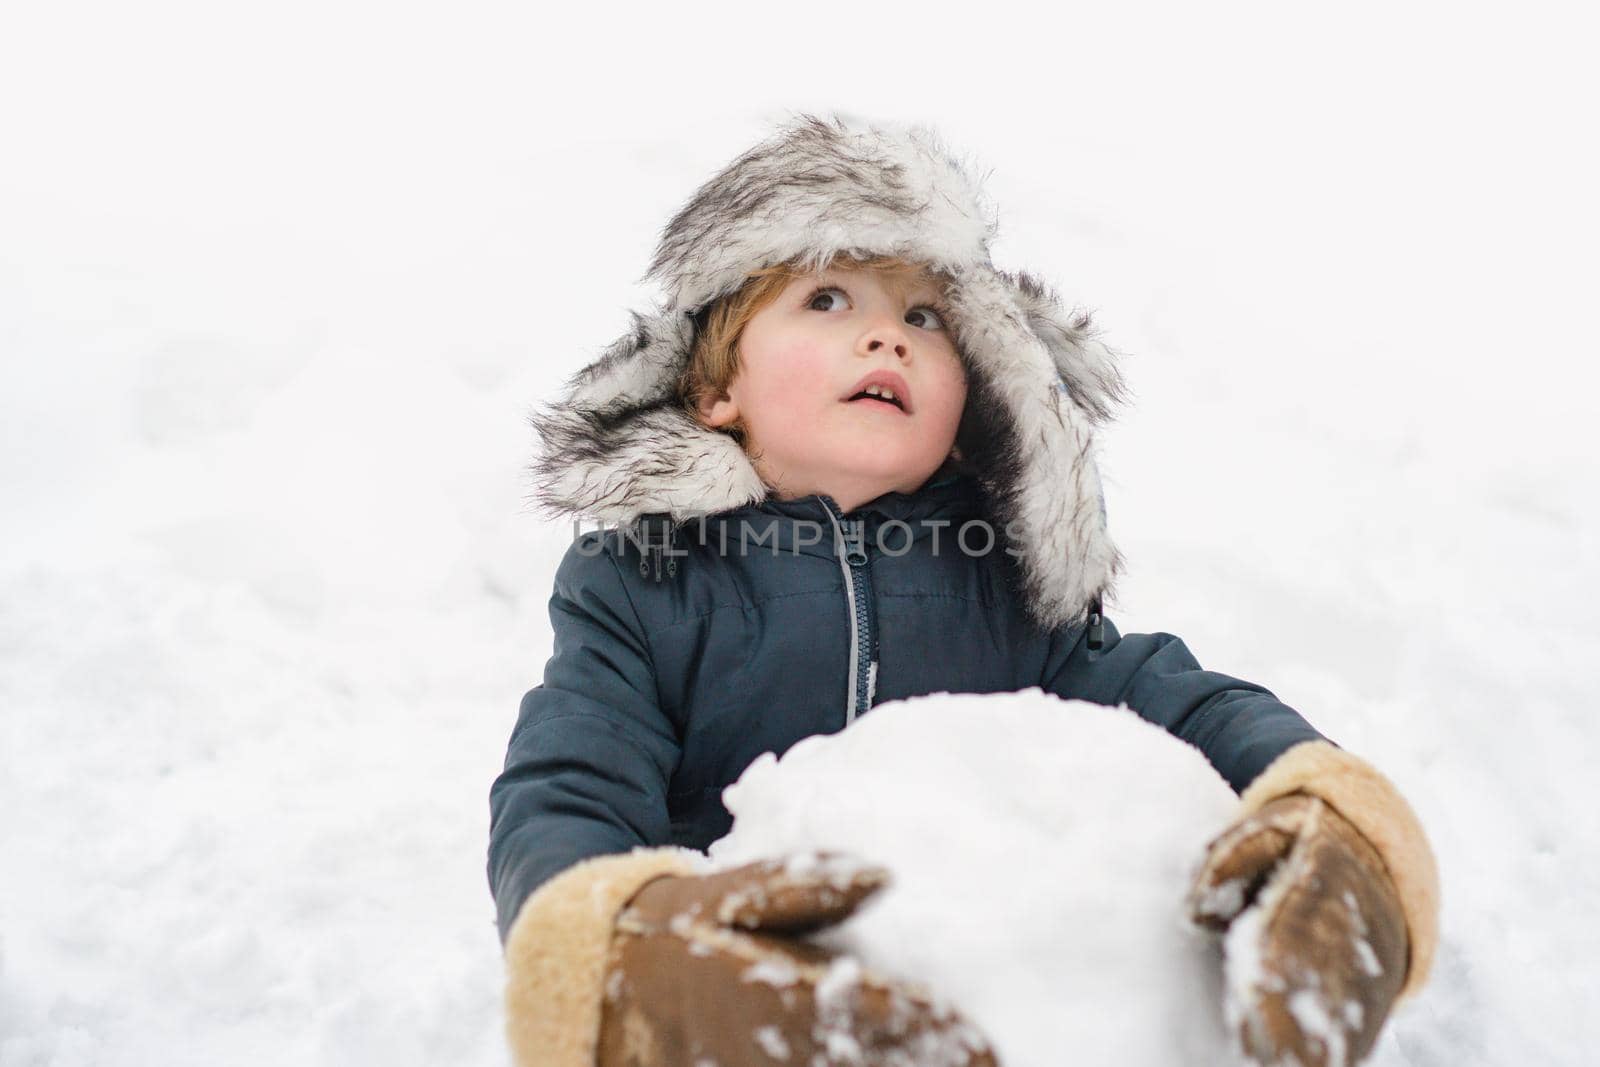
[{"x": 1040, "y": 852}]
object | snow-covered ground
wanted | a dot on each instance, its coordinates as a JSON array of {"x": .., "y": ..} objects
[{"x": 279, "y": 283}]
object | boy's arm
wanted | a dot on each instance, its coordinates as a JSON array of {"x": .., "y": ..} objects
[
  {"x": 1263, "y": 748},
  {"x": 589, "y": 759},
  {"x": 1240, "y": 727},
  {"x": 604, "y": 926},
  {"x": 572, "y": 818}
]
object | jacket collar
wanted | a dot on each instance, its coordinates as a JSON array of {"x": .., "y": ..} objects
[{"x": 812, "y": 525}]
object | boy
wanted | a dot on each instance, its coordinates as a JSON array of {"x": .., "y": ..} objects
[{"x": 855, "y": 463}]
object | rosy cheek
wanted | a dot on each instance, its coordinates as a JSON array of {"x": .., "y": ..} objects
[
  {"x": 952, "y": 395},
  {"x": 795, "y": 372}
]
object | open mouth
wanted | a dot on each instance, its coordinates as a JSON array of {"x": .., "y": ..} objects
[
  {"x": 877, "y": 401},
  {"x": 883, "y": 388}
]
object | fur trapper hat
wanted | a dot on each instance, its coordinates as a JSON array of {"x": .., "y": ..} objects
[{"x": 619, "y": 445}]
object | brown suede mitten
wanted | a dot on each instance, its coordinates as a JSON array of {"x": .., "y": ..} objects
[
  {"x": 709, "y": 968},
  {"x": 1317, "y": 945}
]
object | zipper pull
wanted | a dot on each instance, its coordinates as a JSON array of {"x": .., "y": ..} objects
[
  {"x": 855, "y": 552},
  {"x": 1097, "y": 629},
  {"x": 852, "y": 532}
]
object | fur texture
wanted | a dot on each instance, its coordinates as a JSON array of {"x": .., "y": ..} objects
[
  {"x": 618, "y": 446},
  {"x": 556, "y": 953},
  {"x": 1356, "y": 790}
]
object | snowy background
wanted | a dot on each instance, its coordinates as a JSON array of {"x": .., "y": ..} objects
[{"x": 279, "y": 284}]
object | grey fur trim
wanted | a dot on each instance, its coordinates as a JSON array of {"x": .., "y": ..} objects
[
  {"x": 618, "y": 445},
  {"x": 817, "y": 187}
]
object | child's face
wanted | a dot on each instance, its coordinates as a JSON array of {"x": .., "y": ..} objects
[{"x": 803, "y": 356}]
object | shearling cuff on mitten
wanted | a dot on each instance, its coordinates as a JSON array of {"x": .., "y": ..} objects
[
  {"x": 556, "y": 953},
  {"x": 1371, "y": 803}
]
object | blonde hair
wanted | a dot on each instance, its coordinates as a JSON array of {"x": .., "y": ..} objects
[{"x": 714, "y": 359}]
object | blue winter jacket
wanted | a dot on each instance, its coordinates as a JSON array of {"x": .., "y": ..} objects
[{"x": 677, "y": 662}]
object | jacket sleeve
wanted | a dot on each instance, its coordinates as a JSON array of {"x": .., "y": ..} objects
[
  {"x": 1240, "y": 727},
  {"x": 591, "y": 754}
]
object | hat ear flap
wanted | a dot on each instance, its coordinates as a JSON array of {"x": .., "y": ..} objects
[
  {"x": 1036, "y": 387},
  {"x": 639, "y": 368},
  {"x": 1087, "y": 367},
  {"x": 619, "y": 444}
]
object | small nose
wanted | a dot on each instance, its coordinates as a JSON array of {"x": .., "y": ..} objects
[{"x": 884, "y": 335}]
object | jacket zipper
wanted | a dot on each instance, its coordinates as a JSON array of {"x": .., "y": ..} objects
[{"x": 856, "y": 567}]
